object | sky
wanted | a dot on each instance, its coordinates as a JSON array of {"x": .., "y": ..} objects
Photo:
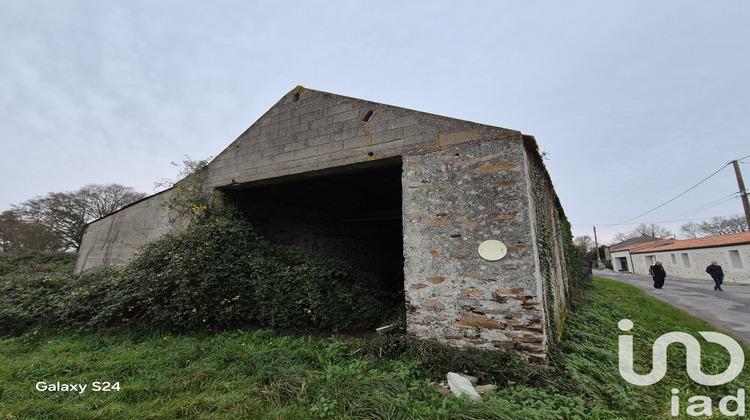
[{"x": 632, "y": 102}]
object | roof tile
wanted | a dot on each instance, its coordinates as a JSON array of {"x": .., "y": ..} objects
[{"x": 705, "y": 242}]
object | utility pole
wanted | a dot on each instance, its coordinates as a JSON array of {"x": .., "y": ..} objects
[
  {"x": 743, "y": 192},
  {"x": 598, "y": 257}
]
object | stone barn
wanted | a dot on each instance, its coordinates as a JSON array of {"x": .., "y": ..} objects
[{"x": 460, "y": 216}]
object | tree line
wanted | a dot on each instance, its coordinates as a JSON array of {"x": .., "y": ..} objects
[
  {"x": 57, "y": 220},
  {"x": 713, "y": 227}
]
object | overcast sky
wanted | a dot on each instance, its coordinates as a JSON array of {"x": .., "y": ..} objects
[{"x": 634, "y": 102}]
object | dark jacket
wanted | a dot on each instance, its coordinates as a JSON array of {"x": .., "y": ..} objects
[
  {"x": 715, "y": 270},
  {"x": 657, "y": 271}
]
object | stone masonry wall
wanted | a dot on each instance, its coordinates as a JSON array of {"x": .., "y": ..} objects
[
  {"x": 454, "y": 200},
  {"x": 546, "y": 216}
]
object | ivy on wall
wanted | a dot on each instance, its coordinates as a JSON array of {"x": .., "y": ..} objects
[
  {"x": 544, "y": 246},
  {"x": 553, "y": 230}
]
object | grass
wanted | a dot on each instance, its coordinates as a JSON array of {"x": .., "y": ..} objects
[
  {"x": 590, "y": 347},
  {"x": 267, "y": 375}
]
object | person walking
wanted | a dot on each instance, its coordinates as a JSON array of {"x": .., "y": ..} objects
[
  {"x": 658, "y": 274},
  {"x": 717, "y": 274}
]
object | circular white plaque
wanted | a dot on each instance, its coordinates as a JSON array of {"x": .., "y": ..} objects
[{"x": 492, "y": 250}]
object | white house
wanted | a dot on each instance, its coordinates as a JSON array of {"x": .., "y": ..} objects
[
  {"x": 620, "y": 254},
  {"x": 688, "y": 258}
]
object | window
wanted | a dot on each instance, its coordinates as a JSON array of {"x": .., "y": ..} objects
[
  {"x": 650, "y": 260},
  {"x": 674, "y": 259},
  {"x": 734, "y": 257},
  {"x": 685, "y": 260}
]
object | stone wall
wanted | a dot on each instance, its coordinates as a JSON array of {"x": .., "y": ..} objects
[
  {"x": 453, "y": 201},
  {"x": 549, "y": 230}
]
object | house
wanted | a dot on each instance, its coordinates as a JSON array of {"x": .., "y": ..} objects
[
  {"x": 688, "y": 258},
  {"x": 461, "y": 216},
  {"x": 619, "y": 254}
]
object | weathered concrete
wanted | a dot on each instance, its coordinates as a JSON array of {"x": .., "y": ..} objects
[
  {"x": 112, "y": 240},
  {"x": 449, "y": 184},
  {"x": 308, "y": 131}
]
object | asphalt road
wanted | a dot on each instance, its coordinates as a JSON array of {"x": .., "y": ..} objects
[{"x": 728, "y": 311}]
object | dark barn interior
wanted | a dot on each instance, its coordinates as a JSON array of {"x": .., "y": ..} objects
[{"x": 351, "y": 213}]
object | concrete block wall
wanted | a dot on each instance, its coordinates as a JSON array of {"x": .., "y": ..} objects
[
  {"x": 310, "y": 130},
  {"x": 373, "y": 248}
]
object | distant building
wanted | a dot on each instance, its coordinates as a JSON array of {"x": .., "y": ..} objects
[{"x": 688, "y": 258}]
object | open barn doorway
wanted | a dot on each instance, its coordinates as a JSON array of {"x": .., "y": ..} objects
[{"x": 351, "y": 213}]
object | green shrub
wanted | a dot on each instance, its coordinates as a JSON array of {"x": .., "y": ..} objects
[
  {"x": 29, "y": 300},
  {"x": 31, "y": 285},
  {"x": 94, "y": 299},
  {"x": 219, "y": 273},
  {"x": 305, "y": 292},
  {"x": 193, "y": 279},
  {"x": 216, "y": 274},
  {"x": 35, "y": 261}
]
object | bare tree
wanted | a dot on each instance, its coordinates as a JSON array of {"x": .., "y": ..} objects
[
  {"x": 105, "y": 199},
  {"x": 17, "y": 234},
  {"x": 715, "y": 226},
  {"x": 737, "y": 224},
  {"x": 584, "y": 241},
  {"x": 67, "y": 213},
  {"x": 644, "y": 229},
  {"x": 690, "y": 230},
  {"x": 652, "y": 229}
]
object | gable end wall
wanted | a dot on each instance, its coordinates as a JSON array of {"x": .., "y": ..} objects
[{"x": 462, "y": 183}]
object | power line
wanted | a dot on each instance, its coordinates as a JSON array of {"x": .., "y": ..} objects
[
  {"x": 657, "y": 222},
  {"x": 678, "y": 196},
  {"x": 707, "y": 206},
  {"x": 694, "y": 211},
  {"x": 690, "y": 220}
]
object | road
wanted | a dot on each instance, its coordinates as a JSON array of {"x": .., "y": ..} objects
[{"x": 728, "y": 311}]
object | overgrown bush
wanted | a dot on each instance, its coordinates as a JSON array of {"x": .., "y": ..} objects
[
  {"x": 221, "y": 273},
  {"x": 216, "y": 274},
  {"x": 35, "y": 261},
  {"x": 29, "y": 300}
]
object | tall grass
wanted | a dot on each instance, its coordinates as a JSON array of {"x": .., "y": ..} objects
[
  {"x": 590, "y": 346},
  {"x": 267, "y": 375}
]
